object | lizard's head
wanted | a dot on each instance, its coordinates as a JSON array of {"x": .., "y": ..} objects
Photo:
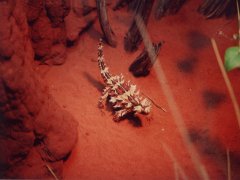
[{"x": 144, "y": 107}]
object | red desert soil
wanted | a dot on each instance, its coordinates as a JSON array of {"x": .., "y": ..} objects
[{"x": 135, "y": 149}]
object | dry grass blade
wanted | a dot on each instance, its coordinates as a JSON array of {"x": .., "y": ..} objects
[
  {"x": 227, "y": 81},
  {"x": 51, "y": 171},
  {"x": 178, "y": 170},
  {"x": 177, "y": 116}
]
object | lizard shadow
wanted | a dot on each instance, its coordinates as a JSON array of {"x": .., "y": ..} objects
[
  {"x": 97, "y": 84},
  {"x": 135, "y": 121}
]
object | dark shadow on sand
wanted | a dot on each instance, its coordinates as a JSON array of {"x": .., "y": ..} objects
[{"x": 97, "y": 84}]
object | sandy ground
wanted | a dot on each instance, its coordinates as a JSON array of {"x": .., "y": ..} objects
[{"x": 137, "y": 149}]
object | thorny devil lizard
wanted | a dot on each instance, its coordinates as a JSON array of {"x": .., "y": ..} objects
[{"x": 121, "y": 94}]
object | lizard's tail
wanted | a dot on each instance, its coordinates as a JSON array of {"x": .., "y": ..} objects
[{"x": 101, "y": 63}]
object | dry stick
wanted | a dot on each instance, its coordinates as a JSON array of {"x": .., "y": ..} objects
[
  {"x": 177, "y": 167},
  {"x": 104, "y": 23},
  {"x": 227, "y": 81},
  {"x": 177, "y": 116},
  {"x": 228, "y": 165}
]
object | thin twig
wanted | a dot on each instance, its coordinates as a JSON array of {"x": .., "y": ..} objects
[
  {"x": 155, "y": 104},
  {"x": 227, "y": 81},
  {"x": 47, "y": 153}
]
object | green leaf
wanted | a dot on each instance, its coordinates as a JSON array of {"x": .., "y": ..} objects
[{"x": 232, "y": 58}]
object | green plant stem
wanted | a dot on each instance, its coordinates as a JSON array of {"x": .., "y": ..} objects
[{"x": 238, "y": 25}]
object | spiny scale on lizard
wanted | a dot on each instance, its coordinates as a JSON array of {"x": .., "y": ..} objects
[{"x": 121, "y": 94}]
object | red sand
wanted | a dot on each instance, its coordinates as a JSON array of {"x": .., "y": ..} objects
[{"x": 109, "y": 150}]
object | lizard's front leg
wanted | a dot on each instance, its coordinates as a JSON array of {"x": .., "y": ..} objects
[
  {"x": 119, "y": 114},
  {"x": 104, "y": 96}
]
